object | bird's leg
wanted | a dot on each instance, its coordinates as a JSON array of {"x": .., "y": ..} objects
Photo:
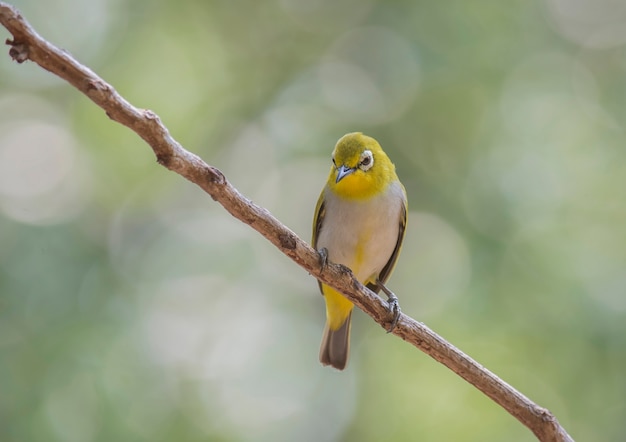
[
  {"x": 323, "y": 258},
  {"x": 393, "y": 305}
]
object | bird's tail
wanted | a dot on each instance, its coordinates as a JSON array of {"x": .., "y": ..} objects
[{"x": 335, "y": 347}]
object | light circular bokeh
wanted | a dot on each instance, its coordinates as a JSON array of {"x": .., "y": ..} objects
[
  {"x": 434, "y": 267},
  {"x": 371, "y": 75},
  {"x": 43, "y": 177},
  {"x": 596, "y": 24}
]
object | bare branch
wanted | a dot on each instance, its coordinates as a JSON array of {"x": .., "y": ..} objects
[{"x": 28, "y": 45}]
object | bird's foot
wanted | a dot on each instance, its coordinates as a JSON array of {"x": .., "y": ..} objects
[
  {"x": 323, "y": 258},
  {"x": 392, "y": 304}
]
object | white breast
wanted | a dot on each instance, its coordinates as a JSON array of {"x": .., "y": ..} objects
[{"x": 362, "y": 234}]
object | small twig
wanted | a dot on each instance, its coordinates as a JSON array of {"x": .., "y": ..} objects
[{"x": 28, "y": 45}]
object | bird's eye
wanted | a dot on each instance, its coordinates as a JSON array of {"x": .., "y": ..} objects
[
  {"x": 366, "y": 161},
  {"x": 334, "y": 164}
]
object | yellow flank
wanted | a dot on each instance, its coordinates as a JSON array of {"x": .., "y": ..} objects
[
  {"x": 338, "y": 308},
  {"x": 359, "y": 252}
]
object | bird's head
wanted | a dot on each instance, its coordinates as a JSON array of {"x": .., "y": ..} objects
[{"x": 360, "y": 169}]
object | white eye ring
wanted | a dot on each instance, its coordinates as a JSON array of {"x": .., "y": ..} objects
[{"x": 366, "y": 160}]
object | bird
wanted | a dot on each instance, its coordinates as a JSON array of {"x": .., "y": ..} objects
[{"x": 360, "y": 220}]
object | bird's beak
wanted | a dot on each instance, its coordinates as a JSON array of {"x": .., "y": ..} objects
[{"x": 343, "y": 172}]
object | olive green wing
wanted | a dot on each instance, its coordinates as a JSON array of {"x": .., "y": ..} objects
[
  {"x": 318, "y": 219},
  {"x": 386, "y": 271}
]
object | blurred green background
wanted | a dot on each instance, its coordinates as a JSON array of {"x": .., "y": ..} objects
[{"x": 134, "y": 308}]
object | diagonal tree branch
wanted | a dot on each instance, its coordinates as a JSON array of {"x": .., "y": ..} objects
[{"x": 28, "y": 45}]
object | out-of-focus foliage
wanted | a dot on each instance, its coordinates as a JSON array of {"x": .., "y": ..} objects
[{"x": 133, "y": 308}]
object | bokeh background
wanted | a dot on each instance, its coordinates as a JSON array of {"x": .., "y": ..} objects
[{"x": 134, "y": 308}]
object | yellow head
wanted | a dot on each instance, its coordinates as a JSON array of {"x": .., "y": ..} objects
[{"x": 360, "y": 169}]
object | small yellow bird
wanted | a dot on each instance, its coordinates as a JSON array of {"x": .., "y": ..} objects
[{"x": 359, "y": 222}]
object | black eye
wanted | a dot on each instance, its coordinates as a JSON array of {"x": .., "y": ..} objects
[
  {"x": 334, "y": 164},
  {"x": 366, "y": 161}
]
